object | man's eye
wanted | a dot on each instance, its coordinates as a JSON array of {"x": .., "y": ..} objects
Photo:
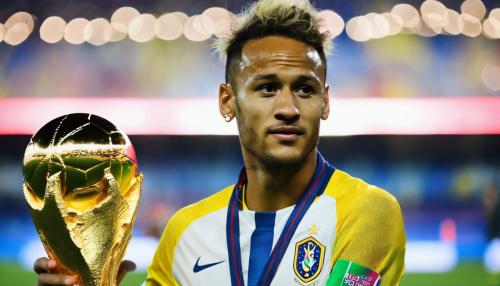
[
  {"x": 266, "y": 89},
  {"x": 304, "y": 91}
]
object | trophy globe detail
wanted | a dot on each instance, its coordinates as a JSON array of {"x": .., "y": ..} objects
[{"x": 83, "y": 190}]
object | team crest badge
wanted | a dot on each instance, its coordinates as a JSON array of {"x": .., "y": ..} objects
[{"x": 308, "y": 259}]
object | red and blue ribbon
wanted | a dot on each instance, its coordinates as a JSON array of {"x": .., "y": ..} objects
[{"x": 317, "y": 185}]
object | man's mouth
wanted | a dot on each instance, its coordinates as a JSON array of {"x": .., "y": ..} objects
[{"x": 286, "y": 133}]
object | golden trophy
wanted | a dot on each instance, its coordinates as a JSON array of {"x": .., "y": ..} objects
[{"x": 83, "y": 191}]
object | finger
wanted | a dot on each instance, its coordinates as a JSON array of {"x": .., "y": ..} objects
[
  {"x": 55, "y": 279},
  {"x": 44, "y": 265},
  {"x": 125, "y": 267}
]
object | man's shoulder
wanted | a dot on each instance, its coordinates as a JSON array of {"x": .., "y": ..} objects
[
  {"x": 355, "y": 195},
  {"x": 182, "y": 218}
]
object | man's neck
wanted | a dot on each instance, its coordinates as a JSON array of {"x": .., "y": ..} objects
[{"x": 272, "y": 189}]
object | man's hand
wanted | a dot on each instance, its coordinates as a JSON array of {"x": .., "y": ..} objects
[
  {"x": 125, "y": 267},
  {"x": 45, "y": 268}
]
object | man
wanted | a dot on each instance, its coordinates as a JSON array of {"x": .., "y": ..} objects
[{"x": 291, "y": 217}]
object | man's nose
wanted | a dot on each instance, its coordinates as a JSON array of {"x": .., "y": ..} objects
[{"x": 286, "y": 106}]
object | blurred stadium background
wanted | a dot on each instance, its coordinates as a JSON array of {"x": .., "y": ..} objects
[{"x": 415, "y": 99}]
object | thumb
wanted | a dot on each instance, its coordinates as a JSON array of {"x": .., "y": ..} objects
[{"x": 125, "y": 267}]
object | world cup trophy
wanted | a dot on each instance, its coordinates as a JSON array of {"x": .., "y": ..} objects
[{"x": 83, "y": 190}]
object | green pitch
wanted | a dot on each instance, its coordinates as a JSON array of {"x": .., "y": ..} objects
[
  {"x": 13, "y": 275},
  {"x": 465, "y": 274}
]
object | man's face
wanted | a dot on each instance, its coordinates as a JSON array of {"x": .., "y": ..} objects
[{"x": 279, "y": 99}]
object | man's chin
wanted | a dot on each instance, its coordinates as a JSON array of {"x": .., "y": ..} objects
[{"x": 284, "y": 157}]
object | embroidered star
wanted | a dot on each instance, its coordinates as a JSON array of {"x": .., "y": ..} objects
[{"x": 314, "y": 229}]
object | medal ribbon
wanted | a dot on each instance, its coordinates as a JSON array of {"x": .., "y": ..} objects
[{"x": 322, "y": 174}]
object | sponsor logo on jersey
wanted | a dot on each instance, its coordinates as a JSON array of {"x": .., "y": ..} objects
[
  {"x": 348, "y": 273},
  {"x": 308, "y": 259}
]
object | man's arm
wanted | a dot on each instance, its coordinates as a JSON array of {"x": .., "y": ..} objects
[{"x": 370, "y": 232}]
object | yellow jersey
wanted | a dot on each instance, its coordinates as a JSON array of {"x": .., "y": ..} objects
[{"x": 350, "y": 220}]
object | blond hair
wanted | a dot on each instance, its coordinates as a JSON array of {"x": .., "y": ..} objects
[{"x": 295, "y": 19}]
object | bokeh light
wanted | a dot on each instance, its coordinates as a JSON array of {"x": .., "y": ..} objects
[
  {"x": 198, "y": 28},
  {"x": 474, "y": 8},
  {"x": 20, "y": 17},
  {"x": 181, "y": 15},
  {"x": 221, "y": 19},
  {"x": 492, "y": 24},
  {"x": 98, "y": 32},
  {"x": 495, "y": 14},
  {"x": 434, "y": 14},
  {"x": 16, "y": 34},
  {"x": 169, "y": 27},
  {"x": 424, "y": 30},
  {"x": 491, "y": 28},
  {"x": 120, "y": 21},
  {"x": 359, "y": 29},
  {"x": 472, "y": 26},
  {"x": 331, "y": 23},
  {"x": 52, "y": 29},
  {"x": 73, "y": 33},
  {"x": 380, "y": 25},
  {"x": 18, "y": 27},
  {"x": 408, "y": 14},
  {"x": 142, "y": 28},
  {"x": 455, "y": 24},
  {"x": 204, "y": 24}
]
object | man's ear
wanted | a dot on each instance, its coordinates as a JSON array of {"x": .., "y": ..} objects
[
  {"x": 226, "y": 101},
  {"x": 325, "y": 109}
]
